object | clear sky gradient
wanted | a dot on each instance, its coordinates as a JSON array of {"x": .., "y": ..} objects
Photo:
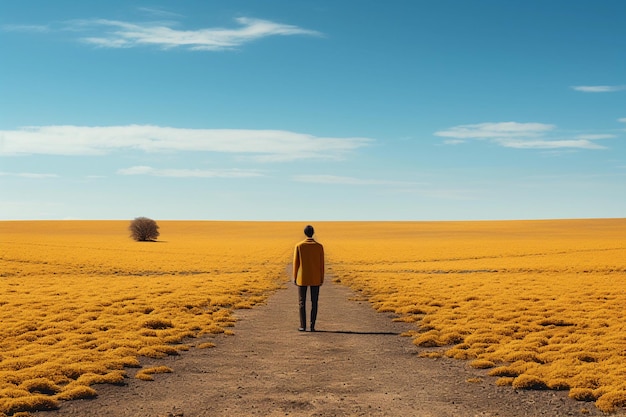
[{"x": 313, "y": 109}]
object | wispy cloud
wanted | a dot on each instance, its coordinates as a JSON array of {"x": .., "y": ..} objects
[
  {"x": 595, "y": 137},
  {"x": 519, "y": 136},
  {"x": 622, "y": 120},
  {"x": 549, "y": 144},
  {"x": 157, "y": 12},
  {"x": 189, "y": 173},
  {"x": 262, "y": 145},
  {"x": 342, "y": 180},
  {"x": 454, "y": 141},
  {"x": 119, "y": 34},
  {"x": 31, "y": 175},
  {"x": 495, "y": 130},
  {"x": 599, "y": 88}
]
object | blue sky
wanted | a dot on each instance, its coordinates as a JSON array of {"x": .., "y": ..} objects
[{"x": 312, "y": 110}]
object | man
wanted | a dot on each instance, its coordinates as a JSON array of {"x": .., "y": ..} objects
[{"x": 308, "y": 271}]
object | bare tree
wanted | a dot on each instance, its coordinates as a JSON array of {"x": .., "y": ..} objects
[{"x": 143, "y": 229}]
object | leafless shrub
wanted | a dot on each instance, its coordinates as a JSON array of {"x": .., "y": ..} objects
[{"x": 143, "y": 229}]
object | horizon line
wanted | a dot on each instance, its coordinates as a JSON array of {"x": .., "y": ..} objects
[{"x": 328, "y": 221}]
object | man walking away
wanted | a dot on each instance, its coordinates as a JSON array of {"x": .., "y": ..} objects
[{"x": 308, "y": 271}]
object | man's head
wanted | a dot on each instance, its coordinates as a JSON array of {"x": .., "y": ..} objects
[{"x": 308, "y": 231}]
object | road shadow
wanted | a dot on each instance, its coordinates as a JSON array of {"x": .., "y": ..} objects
[{"x": 354, "y": 332}]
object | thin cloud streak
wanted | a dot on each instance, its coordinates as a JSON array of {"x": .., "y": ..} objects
[
  {"x": 453, "y": 141},
  {"x": 599, "y": 88},
  {"x": 496, "y": 130},
  {"x": 189, "y": 173},
  {"x": 549, "y": 144},
  {"x": 31, "y": 175},
  {"x": 596, "y": 137},
  {"x": 519, "y": 136},
  {"x": 341, "y": 180},
  {"x": 154, "y": 11},
  {"x": 120, "y": 34},
  {"x": 262, "y": 145}
]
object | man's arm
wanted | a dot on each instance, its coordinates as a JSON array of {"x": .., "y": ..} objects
[
  {"x": 296, "y": 264},
  {"x": 322, "y": 264}
]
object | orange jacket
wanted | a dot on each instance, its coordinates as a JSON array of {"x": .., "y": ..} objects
[{"x": 308, "y": 263}]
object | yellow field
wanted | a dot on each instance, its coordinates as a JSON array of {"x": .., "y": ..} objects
[
  {"x": 81, "y": 301},
  {"x": 538, "y": 304}
]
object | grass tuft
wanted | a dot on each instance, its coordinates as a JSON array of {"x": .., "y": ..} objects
[
  {"x": 431, "y": 355},
  {"x": 505, "y": 381},
  {"x": 482, "y": 364},
  {"x": 40, "y": 386},
  {"x": 113, "y": 378},
  {"x": 529, "y": 382},
  {"x": 582, "y": 394},
  {"x": 158, "y": 352},
  {"x": 80, "y": 392},
  {"x": 429, "y": 339},
  {"x": 505, "y": 371},
  {"x": 146, "y": 374},
  {"x": 34, "y": 402},
  {"x": 610, "y": 401},
  {"x": 158, "y": 324}
]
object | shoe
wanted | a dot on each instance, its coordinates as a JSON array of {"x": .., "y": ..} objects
[
  {"x": 312, "y": 329},
  {"x": 301, "y": 329}
]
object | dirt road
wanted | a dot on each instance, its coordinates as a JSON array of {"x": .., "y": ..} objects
[{"x": 357, "y": 364}]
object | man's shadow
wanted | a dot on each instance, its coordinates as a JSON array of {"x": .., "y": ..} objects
[{"x": 353, "y": 332}]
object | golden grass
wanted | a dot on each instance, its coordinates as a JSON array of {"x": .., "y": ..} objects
[
  {"x": 146, "y": 373},
  {"x": 81, "y": 302},
  {"x": 541, "y": 303}
]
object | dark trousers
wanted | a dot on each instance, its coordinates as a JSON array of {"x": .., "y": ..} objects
[{"x": 315, "y": 293}]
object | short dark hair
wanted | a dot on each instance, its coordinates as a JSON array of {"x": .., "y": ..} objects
[{"x": 308, "y": 231}]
